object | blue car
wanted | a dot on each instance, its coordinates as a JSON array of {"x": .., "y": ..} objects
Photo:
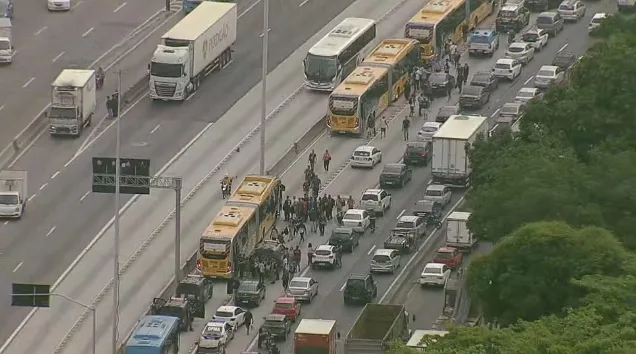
[{"x": 6, "y": 8}]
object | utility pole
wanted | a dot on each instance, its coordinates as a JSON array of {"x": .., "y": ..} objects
[
  {"x": 117, "y": 206},
  {"x": 264, "y": 83}
]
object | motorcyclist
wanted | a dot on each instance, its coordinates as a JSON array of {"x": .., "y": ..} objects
[
  {"x": 263, "y": 335},
  {"x": 226, "y": 185},
  {"x": 511, "y": 36},
  {"x": 99, "y": 76},
  {"x": 372, "y": 221}
]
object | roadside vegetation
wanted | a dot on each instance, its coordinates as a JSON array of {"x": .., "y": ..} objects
[{"x": 559, "y": 201}]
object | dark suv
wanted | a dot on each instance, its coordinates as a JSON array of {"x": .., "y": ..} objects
[
  {"x": 446, "y": 112},
  {"x": 345, "y": 238},
  {"x": 485, "y": 79},
  {"x": 250, "y": 292},
  {"x": 395, "y": 174},
  {"x": 473, "y": 97},
  {"x": 512, "y": 17},
  {"x": 417, "y": 153},
  {"x": 360, "y": 288}
]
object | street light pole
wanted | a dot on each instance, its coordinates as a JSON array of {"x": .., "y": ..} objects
[
  {"x": 89, "y": 307},
  {"x": 117, "y": 205},
  {"x": 264, "y": 83}
]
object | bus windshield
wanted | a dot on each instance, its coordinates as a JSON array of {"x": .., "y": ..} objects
[
  {"x": 341, "y": 105},
  {"x": 421, "y": 32},
  {"x": 321, "y": 69}
]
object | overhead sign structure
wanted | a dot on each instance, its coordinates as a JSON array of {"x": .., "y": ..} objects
[
  {"x": 134, "y": 175},
  {"x": 31, "y": 295}
]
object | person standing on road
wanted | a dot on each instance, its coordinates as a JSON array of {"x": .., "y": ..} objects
[
  {"x": 326, "y": 159},
  {"x": 465, "y": 71},
  {"x": 109, "y": 107},
  {"x": 312, "y": 159},
  {"x": 384, "y": 126},
  {"x": 406, "y": 123},
  {"x": 249, "y": 320},
  {"x": 322, "y": 221},
  {"x": 285, "y": 280},
  {"x": 310, "y": 254}
]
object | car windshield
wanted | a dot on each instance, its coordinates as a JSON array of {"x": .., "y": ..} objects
[
  {"x": 215, "y": 330},
  {"x": 431, "y": 270},
  {"x": 223, "y": 314},
  {"x": 9, "y": 199},
  {"x": 566, "y": 7},
  {"x": 471, "y": 91},
  {"x": 298, "y": 284},
  {"x": 479, "y": 38},
  {"x": 270, "y": 323},
  {"x": 433, "y": 193},
  {"x": 510, "y": 109},
  {"x": 355, "y": 283},
  {"x": 248, "y": 287},
  {"x": 361, "y": 153},
  {"x": 437, "y": 78},
  {"x": 322, "y": 252},
  {"x": 545, "y": 73},
  {"x": 429, "y": 129},
  {"x": 516, "y": 49},
  {"x": 444, "y": 254},
  {"x": 404, "y": 225},
  {"x": 507, "y": 14},
  {"x": 373, "y": 197},
  {"x": 481, "y": 78},
  {"x": 352, "y": 216},
  {"x": 283, "y": 305},
  {"x": 596, "y": 20},
  {"x": 502, "y": 66},
  {"x": 525, "y": 94},
  {"x": 392, "y": 169},
  {"x": 381, "y": 258},
  {"x": 530, "y": 37}
]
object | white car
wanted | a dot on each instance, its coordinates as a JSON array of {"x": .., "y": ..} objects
[
  {"x": 435, "y": 274},
  {"x": 507, "y": 68},
  {"x": 537, "y": 37},
  {"x": 521, "y": 3},
  {"x": 438, "y": 193},
  {"x": 572, "y": 10},
  {"x": 233, "y": 315},
  {"x": 303, "y": 288},
  {"x": 58, "y": 5},
  {"x": 376, "y": 200},
  {"x": 324, "y": 255},
  {"x": 522, "y": 51},
  {"x": 385, "y": 261},
  {"x": 428, "y": 130},
  {"x": 216, "y": 335},
  {"x": 548, "y": 75},
  {"x": 356, "y": 219},
  {"x": 596, "y": 21},
  {"x": 366, "y": 156},
  {"x": 527, "y": 94}
]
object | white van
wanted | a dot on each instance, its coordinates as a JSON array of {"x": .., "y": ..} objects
[{"x": 6, "y": 43}]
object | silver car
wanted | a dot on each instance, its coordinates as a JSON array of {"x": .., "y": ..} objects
[
  {"x": 303, "y": 288},
  {"x": 438, "y": 193}
]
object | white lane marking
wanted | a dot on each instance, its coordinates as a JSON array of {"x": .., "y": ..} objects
[
  {"x": 371, "y": 250},
  {"x": 530, "y": 78},
  {"x": 303, "y": 3},
  {"x": 6, "y": 222},
  {"x": 44, "y": 186},
  {"x": 88, "y": 32},
  {"x": 58, "y": 57},
  {"x": 249, "y": 8},
  {"x": 119, "y": 7},
  {"x": 84, "y": 196},
  {"x": 262, "y": 34},
  {"x": 31, "y": 197},
  {"x": 51, "y": 231},
  {"x": 17, "y": 267},
  {"x": 401, "y": 213},
  {"x": 424, "y": 244},
  {"x": 1, "y": 107},
  {"x": 494, "y": 114},
  {"x": 28, "y": 82},
  {"x": 343, "y": 286},
  {"x": 76, "y": 5},
  {"x": 564, "y": 46},
  {"x": 305, "y": 272},
  {"x": 155, "y": 129},
  {"x": 40, "y": 31},
  {"x": 55, "y": 175}
]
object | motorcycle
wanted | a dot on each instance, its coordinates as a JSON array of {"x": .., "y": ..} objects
[
  {"x": 511, "y": 37},
  {"x": 225, "y": 189},
  {"x": 372, "y": 224}
]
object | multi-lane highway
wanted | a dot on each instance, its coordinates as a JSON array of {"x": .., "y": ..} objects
[
  {"x": 46, "y": 244},
  {"x": 47, "y": 42}
]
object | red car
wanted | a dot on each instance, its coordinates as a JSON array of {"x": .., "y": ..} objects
[
  {"x": 449, "y": 256},
  {"x": 288, "y": 306}
]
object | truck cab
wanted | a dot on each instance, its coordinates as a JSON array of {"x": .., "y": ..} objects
[
  {"x": 13, "y": 193},
  {"x": 6, "y": 42},
  {"x": 73, "y": 102}
]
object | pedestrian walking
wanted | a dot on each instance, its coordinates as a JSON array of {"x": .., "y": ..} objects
[
  {"x": 412, "y": 105},
  {"x": 312, "y": 159},
  {"x": 115, "y": 104},
  {"x": 261, "y": 271},
  {"x": 249, "y": 320},
  {"x": 285, "y": 280},
  {"x": 310, "y": 254},
  {"x": 465, "y": 72},
  {"x": 421, "y": 104},
  {"x": 449, "y": 89},
  {"x": 407, "y": 91},
  {"x": 109, "y": 107},
  {"x": 384, "y": 126},
  {"x": 406, "y": 124},
  {"x": 322, "y": 221},
  {"x": 326, "y": 159}
]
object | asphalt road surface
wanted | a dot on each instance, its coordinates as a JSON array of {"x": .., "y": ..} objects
[
  {"x": 47, "y": 42},
  {"x": 159, "y": 131}
]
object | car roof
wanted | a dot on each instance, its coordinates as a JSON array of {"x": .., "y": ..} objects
[
  {"x": 227, "y": 308},
  {"x": 368, "y": 148},
  {"x": 434, "y": 265},
  {"x": 396, "y": 164},
  {"x": 275, "y": 317},
  {"x": 357, "y": 276},
  {"x": 383, "y": 252},
  {"x": 529, "y": 89},
  {"x": 407, "y": 218},
  {"x": 600, "y": 15},
  {"x": 510, "y": 7},
  {"x": 454, "y": 108},
  {"x": 518, "y": 44},
  {"x": 355, "y": 211},
  {"x": 549, "y": 67},
  {"x": 447, "y": 249},
  {"x": 513, "y": 104},
  {"x": 505, "y": 61},
  {"x": 285, "y": 299},
  {"x": 432, "y": 124},
  {"x": 372, "y": 191},
  {"x": 325, "y": 247},
  {"x": 301, "y": 279},
  {"x": 435, "y": 187}
]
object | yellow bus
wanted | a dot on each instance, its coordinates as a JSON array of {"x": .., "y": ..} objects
[
  {"x": 361, "y": 96},
  {"x": 440, "y": 20},
  {"x": 401, "y": 56}
]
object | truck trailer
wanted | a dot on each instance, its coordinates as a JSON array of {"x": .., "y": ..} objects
[
  {"x": 73, "y": 101},
  {"x": 13, "y": 193},
  {"x": 196, "y": 46},
  {"x": 457, "y": 233},
  {"x": 450, "y": 164},
  {"x": 6, "y": 41},
  {"x": 375, "y": 328},
  {"x": 315, "y": 336}
]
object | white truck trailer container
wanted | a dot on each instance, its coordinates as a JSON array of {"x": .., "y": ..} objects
[
  {"x": 457, "y": 233},
  {"x": 450, "y": 164},
  {"x": 13, "y": 193},
  {"x": 73, "y": 102},
  {"x": 6, "y": 41},
  {"x": 196, "y": 46}
]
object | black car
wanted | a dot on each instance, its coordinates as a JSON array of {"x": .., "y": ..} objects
[
  {"x": 438, "y": 83},
  {"x": 360, "y": 288},
  {"x": 417, "y": 153},
  {"x": 276, "y": 325},
  {"x": 395, "y": 174},
  {"x": 473, "y": 97},
  {"x": 485, "y": 79},
  {"x": 445, "y": 112},
  {"x": 345, "y": 238},
  {"x": 564, "y": 60},
  {"x": 250, "y": 292}
]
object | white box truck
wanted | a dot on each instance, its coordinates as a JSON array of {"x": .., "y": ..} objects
[
  {"x": 450, "y": 164},
  {"x": 457, "y": 233},
  {"x": 196, "y": 46},
  {"x": 6, "y": 41},
  {"x": 13, "y": 193},
  {"x": 72, "y": 102}
]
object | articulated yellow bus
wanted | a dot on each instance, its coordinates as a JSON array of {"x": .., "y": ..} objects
[
  {"x": 443, "y": 19},
  {"x": 247, "y": 217},
  {"x": 401, "y": 56}
]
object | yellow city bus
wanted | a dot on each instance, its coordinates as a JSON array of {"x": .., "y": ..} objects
[
  {"x": 401, "y": 56},
  {"x": 363, "y": 95},
  {"x": 440, "y": 20}
]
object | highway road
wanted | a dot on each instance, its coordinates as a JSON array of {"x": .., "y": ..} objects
[
  {"x": 158, "y": 132},
  {"x": 47, "y": 42}
]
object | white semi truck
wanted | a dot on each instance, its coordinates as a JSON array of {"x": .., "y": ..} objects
[
  {"x": 6, "y": 41},
  {"x": 73, "y": 102},
  {"x": 196, "y": 46},
  {"x": 13, "y": 193},
  {"x": 450, "y": 164}
]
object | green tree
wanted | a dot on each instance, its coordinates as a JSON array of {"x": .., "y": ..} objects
[{"x": 528, "y": 274}]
